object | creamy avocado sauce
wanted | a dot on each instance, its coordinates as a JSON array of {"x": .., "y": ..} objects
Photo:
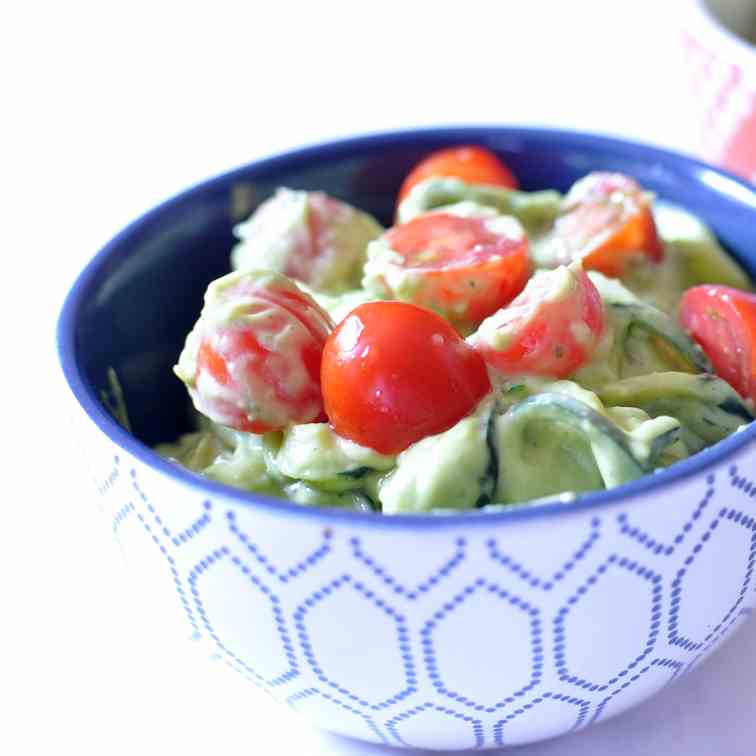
[
  {"x": 646, "y": 399},
  {"x": 281, "y": 234},
  {"x": 535, "y": 210}
]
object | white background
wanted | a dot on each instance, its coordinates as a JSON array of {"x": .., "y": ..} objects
[{"x": 112, "y": 107}]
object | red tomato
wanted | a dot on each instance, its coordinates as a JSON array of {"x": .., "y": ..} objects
[
  {"x": 258, "y": 345},
  {"x": 606, "y": 221},
  {"x": 463, "y": 268},
  {"x": 722, "y": 321},
  {"x": 551, "y": 329},
  {"x": 471, "y": 163},
  {"x": 394, "y": 373}
]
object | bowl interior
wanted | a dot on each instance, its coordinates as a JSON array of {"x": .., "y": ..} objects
[{"x": 132, "y": 307}]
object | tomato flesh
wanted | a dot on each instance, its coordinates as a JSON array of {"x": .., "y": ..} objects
[
  {"x": 551, "y": 329},
  {"x": 471, "y": 163},
  {"x": 461, "y": 268},
  {"x": 722, "y": 320},
  {"x": 308, "y": 236},
  {"x": 393, "y": 373},
  {"x": 606, "y": 221},
  {"x": 314, "y": 244},
  {"x": 258, "y": 369}
]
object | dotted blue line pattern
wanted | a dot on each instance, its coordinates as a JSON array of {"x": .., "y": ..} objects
[
  {"x": 283, "y": 575},
  {"x": 716, "y": 640},
  {"x": 475, "y": 724},
  {"x": 171, "y": 566},
  {"x": 402, "y": 638},
  {"x": 742, "y": 483},
  {"x": 204, "y": 566},
  {"x": 582, "y": 706},
  {"x": 417, "y": 676},
  {"x": 105, "y": 484},
  {"x": 122, "y": 515},
  {"x": 560, "y": 622},
  {"x": 672, "y": 664},
  {"x": 398, "y": 587},
  {"x": 674, "y": 637},
  {"x": 176, "y": 538},
  {"x": 309, "y": 692},
  {"x": 536, "y": 646},
  {"x": 546, "y": 583},
  {"x": 657, "y": 546}
]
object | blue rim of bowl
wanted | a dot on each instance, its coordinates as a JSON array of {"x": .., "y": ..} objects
[{"x": 552, "y": 506}]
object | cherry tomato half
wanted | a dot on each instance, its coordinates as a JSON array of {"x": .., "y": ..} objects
[
  {"x": 722, "y": 320},
  {"x": 394, "y": 373},
  {"x": 551, "y": 329},
  {"x": 463, "y": 268},
  {"x": 308, "y": 236},
  {"x": 471, "y": 163},
  {"x": 323, "y": 212},
  {"x": 606, "y": 221},
  {"x": 256, "y": 352}
]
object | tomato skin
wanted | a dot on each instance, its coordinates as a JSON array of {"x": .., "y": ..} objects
[
  {"x": 545, "y": 331},
  {"x": 471, "y": 163},
  {"x": 606, "y": 220},
  {"x": 463, "y": 268},
  {"x": 252, "y": 361},
  {"x": 722, "y": 321},
  {"x": 394, "y": 373}
]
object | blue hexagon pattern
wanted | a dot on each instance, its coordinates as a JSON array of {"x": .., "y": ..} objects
[
  {"x": 513, "y": 668},
  {"x": 337, "y": 651},
  {"x": 582, "y": 546},
  {"x": 404, "y": 677},
  {"x": 317, "y": 704},
  {"x": 421, "y": 588},
  {"x": 679, "y": 530},
  {"x": 282, "y": 573},
  {"x": 252, "y": 634},
  {"x": 653, "y": 676},
  {"x": 691, "y": 629},
  {"x": 136, "y": 523},
  {"x": 641, "y": 605},
  {"x": 424, "y": 725},
  {"x": 185, "y": 528},
  {"x": 563, "y": 713}
]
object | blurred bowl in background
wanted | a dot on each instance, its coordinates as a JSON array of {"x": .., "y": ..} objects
[{"x": 719, "y": 39}]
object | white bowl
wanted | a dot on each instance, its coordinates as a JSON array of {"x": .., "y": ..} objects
[{"x": 470, "y": 630}]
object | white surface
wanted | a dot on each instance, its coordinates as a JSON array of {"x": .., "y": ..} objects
[{"x": 111, "y": 108}]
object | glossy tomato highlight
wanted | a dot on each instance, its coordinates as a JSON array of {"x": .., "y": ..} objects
[{"x": 393, "y": 373}]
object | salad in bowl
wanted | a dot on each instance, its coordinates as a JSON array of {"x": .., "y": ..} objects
[{"x": 492, "y": 347}]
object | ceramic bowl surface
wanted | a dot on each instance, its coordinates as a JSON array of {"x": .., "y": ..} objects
[{"x": 464, "y": 631}]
